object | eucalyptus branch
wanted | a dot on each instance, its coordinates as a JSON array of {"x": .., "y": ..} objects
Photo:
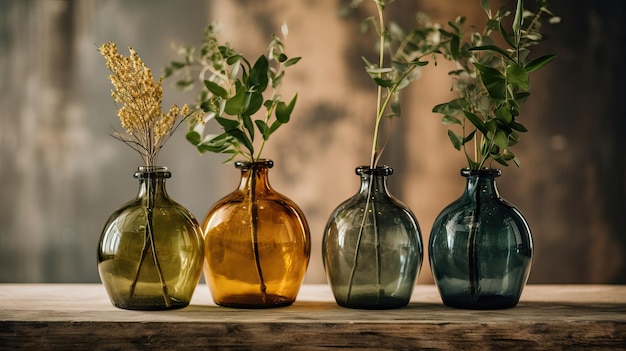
[
  {"x": 234, "y": 93},
  {"x": 493, "y": 81},
  {"x": 405, "y": 51}
]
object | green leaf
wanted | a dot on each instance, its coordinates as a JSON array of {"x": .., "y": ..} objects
[
  {"x": 193, "y": 137},
  {"x": 274, "y": 127},
  {"x": 490, "y": 48},
  {"x": 503, "y": 113},
  {"x": 258, "y": 79},
  {"x": 501, "y": 161},
  {"x": 256, "y": 101},
  {"x": 455, "y": 46},
  {"x": 385, "y": 83},
  {"x": 456, "y": 140},
  {"x": 283, "y": 111},
  {"x": 206, "y": 106},
  {"x": 469, "y": 137},
  {"x": 242, "y": 138},
  {"x": 517, "y": 22},
  {"x": 496, "y": 87},
  {"x": 215, "y": 89},
  {"x": 506, "y": 36},
  {"x": 292, "y": 61},
  {"x": 501, "y": 140},
  {"x": 282, "y": 115},
  {"x": 487, "y": 70},
  {"x": 227, "y": 124},
  {"x": 247, "y": 123},
  {"x": 491, "y": 127},
  {"x": 484, "y": 4},
  {"x": 235, "y": 105},
  {"x": 476, "y": 121},
  {"x": 419, "y": 63},
  {"x": 396, "y": 108},
  {"x": 538, "y": 63},
  {"x": 519, "y": 127},
  {"x": 263, "y": 128},
  {"x": 219, "y": 143},
  {"x": 447, "y": 119},
  {"x": 452, "y": 108},
  {"x": 516, "y": 74},
  {"x": 231, "y": 60}
]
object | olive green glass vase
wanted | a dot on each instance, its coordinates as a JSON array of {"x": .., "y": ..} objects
[{"x": 150, "y": 251}]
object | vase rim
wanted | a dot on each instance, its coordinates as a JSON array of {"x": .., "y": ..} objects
[
  {"x": 249, "y": 164},
  {"x": 144, "y": 172},
  {"x": 483, "y": 172},
  {"x": 383, "y": 170}
]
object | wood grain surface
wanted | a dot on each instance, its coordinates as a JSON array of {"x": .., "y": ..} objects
[{"x": 80, "y": 317}]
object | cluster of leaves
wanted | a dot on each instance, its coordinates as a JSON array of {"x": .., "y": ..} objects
[
  {"x": 492, "y": 80},
  {"x": 233, "y": 91},
  {"x": 400, "y": 54}
]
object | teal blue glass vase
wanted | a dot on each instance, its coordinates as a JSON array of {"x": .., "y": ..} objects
[
  {"x": 480, "y": 247},
  {"x": 372, "y": 247}
]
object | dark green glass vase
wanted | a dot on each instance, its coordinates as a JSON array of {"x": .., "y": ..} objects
[
  {"x": 480, "y": 247},
  {"x": 372, "y": 247}
]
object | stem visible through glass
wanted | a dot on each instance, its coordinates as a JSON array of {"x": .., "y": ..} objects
[
  {"x": 474, "y": 225},
  {"x": 369, "y": 199},
  {"x": 254, "y": 219},
  {"x": 149, "y": 238}
]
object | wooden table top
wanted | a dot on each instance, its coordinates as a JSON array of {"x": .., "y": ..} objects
[{"x": 80, "y": 316}]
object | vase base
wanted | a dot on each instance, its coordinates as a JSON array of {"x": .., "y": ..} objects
[
  {"x": 483, "y": 302},
  {"x": 254, "y": 301},
  {"x": 149, "y": 304},
  {"x": 374, "y": 303}
]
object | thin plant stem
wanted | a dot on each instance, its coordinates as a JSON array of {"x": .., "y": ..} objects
[
  {"x": 355, "y": 260},
  {"x": 254, "y": 219},
  {"x": 150, "y": 244},
  {"x": 379, "y": 90},
  {"x": 369, "y": 203},
  {"x": 474, "y": 279},
  {"x": 379, "y": 288}
]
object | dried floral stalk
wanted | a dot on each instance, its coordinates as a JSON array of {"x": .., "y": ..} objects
[{"x": 147, "y": 129}]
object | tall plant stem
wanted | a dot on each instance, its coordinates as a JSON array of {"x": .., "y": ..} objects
[
  {"x": 379, "y": 91},
  {"x": 254, "y": 220},
  {"x": 369, "y": 203},
  {"x": 150, "y": 244},
  {"x": 471, "y": 249}
]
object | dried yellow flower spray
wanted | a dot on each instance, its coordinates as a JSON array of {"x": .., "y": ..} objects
[
  {"x": 147, "y": 127},
  {"x": 147, "y": 130}
]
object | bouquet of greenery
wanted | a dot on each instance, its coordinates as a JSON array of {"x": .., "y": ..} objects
[
  {"x": 492, "y": 80},
  {"x": 234, "y": 90}
]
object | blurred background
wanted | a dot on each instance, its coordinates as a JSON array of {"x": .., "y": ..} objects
[{"x": 61, "y": 174}]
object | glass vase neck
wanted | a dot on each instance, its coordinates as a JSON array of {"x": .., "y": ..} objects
[
  {"x": 373, "y": 179},
  {"x": 144, "y": 172},
  {"x": 254, "y": 175},
  {"x": 152, "y": 180},
  {"x": 481, "y": 182}
]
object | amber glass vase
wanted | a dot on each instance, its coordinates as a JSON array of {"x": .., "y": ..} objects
[
  {"x": 150, "y": 252},
  {"x": 257, "y": 244}
]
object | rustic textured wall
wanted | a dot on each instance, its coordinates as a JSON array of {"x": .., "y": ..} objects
[{"x": 61, "y": 174}]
